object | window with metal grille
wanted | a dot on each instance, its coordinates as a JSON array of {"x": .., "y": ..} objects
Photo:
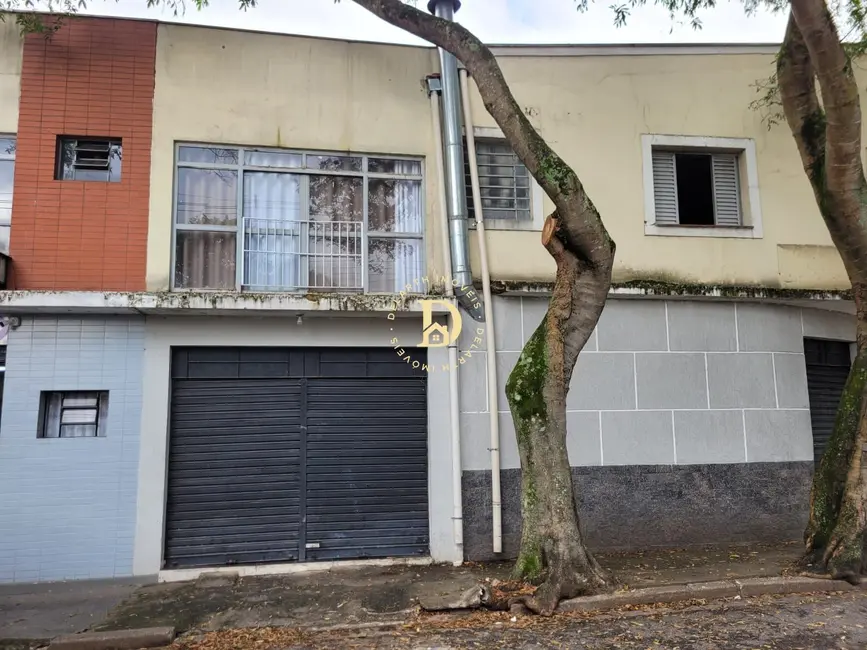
[
  {"x": 694, "y": 188},
  {"x": 72, "y": 414},
  {"x": 89, "y": 159},
  {"x": 504, "y": 183},
  {"x": 291, "y": 220}
]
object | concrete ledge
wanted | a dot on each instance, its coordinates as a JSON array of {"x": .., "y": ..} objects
[
  {"x": 704, "y": 590},
  {"x": 146, "y": 637}
]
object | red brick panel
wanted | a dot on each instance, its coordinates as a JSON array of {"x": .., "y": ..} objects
[{"x": 94, "y": 77}]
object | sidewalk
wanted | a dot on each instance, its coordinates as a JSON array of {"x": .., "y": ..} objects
[{"x": 336, "y": 597}]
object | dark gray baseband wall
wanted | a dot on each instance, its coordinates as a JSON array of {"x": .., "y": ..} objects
[{"x": 640, "y": 506}]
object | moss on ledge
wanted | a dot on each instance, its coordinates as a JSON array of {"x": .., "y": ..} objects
[{"x": 673, "y": 288}]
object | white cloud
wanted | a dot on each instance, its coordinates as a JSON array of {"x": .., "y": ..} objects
[{"x": 494, "y": 21}]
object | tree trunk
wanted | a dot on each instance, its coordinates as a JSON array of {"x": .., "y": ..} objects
[
  {"x": 828, "y": 136},
  {"x": 836, "y": 535},
  {"x": 552, "y": 547}
]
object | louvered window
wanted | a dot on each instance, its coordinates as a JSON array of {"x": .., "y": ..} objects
[
  {"x": 504, "y": 183},
  {"x": 696, "y": 189},
  {"x": 73, "y": 414},
  {"x": 89, "y": 159}
]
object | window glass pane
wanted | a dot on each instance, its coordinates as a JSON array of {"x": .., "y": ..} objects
[
  {"x": 393, "y": 263},
  {"x": 336, "y": 198},
  {"x": 273, "y": 159},
  {"x": 80, "y": 399},
  {"x": 51, "y": 424},
  {"x": 205, "y": 260},
  {"x": 66, "y": 158},
  {"x": 7, "y": 147},
  {"x": 7, "y": 172},
  {"x": 78, "y": 416},
  {"x": 115, "y": 158},
  {"x": 269, "y": 196},
  {"x": 272, "y": 230},
  {"x": 394, "y": 206},
  {"x": 334, "y": 163},
  {"x": 391, "y": 166},
  {"x": 207, "y": 196},
  {"x": 210, "y": 155},
  {"x": 78, "y": 431}
]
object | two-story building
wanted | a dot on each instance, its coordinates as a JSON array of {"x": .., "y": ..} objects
[{"x": 207, "y": 347}]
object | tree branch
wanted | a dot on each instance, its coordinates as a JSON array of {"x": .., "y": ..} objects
[
  {"x": 581, "y": 228},
  {"x": 828, "y": 135},
  {"x": 839, "y": 94},
  {"x": 801, "y": 104}
]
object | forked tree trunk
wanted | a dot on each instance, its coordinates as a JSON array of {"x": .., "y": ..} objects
[
  {"x": 828, "y": 136},
  {"x": 552, "y": 549},
  {"x": 552, "y": 546}
]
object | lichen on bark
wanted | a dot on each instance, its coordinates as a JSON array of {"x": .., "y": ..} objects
[{"x": 524, "y": 392}]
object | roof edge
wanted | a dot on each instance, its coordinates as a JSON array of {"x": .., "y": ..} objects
[{"x": 499, "y": 49}]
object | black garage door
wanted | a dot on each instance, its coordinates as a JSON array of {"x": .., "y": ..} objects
[
  {"x": 827, "y": 369},
  {"x": 280, "y": 454}
]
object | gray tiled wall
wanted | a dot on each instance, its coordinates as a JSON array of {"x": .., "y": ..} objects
[
  {"x": 666, "y": 382},
  {"x": 67, "y": 506}
]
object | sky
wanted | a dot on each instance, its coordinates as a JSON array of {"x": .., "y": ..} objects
[{"x": 494, "y": 21}]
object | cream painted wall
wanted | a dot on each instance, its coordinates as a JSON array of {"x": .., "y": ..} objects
[
  {"x": 593, "y": 111},
  {"x": 222, "y": 86},
  {"x": 11, "y": 46}
]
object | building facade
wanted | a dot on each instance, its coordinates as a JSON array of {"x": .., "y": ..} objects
[{"x": 221, "y": 247}]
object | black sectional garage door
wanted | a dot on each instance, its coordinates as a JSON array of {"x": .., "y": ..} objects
[{"x": 280, "y": 454}]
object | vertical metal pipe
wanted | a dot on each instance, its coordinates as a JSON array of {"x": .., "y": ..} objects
[
  {"x": 454, "y": 168},
  {"x": 490, "y": 337}
]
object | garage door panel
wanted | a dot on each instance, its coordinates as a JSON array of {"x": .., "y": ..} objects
[
  {"x": 361, "y": 475},
  {"x": 234, "y": 469},
  {"x": 238, "y": 503},
  {"x": 350, "y": 440},
  {"x": 267, "y": 464},
  {"x": 262, "y": 466}
]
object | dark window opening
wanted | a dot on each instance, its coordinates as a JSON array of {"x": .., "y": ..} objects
[
  {"x": 694, "y": 189},
  {"x": 89, "y": 159}
]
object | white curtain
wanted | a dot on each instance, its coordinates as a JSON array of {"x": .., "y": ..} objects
[
  {"x": 205, "y": 259},
  {"x": 272, "y": 230},
  {"x": 395, "y": 206}
]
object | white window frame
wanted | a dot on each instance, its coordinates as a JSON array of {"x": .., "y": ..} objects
[
  {"x": 745, "y": 148},
  {"x": 537, "y": 194},
  {"x": 241, "y": 166}
]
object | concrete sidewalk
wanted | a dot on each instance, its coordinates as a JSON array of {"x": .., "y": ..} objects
[{"x": 345, "y": 596}]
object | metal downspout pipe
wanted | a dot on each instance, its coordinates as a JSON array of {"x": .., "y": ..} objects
[
  {"x": 459, "y": 237},
  {"x": 454, "y": 393},
  {"x": 490, "y": 338}
]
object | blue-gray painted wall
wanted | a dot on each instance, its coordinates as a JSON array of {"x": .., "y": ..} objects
[{"x": 68, "y": 506}]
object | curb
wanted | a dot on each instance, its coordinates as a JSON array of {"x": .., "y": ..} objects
[
  {"x": 28, "y": 643},
  {"x": 145, "y": 637},
  {"x": 705, "y": 591}
]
